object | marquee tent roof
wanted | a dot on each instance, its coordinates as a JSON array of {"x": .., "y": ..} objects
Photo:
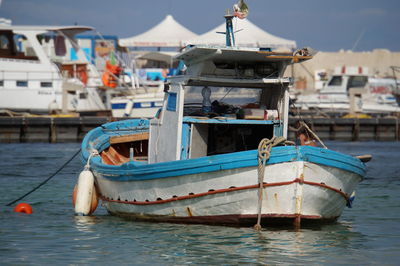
[
  {"x": 163, "y": 56},
  {"x": 168, "y": 33},
  {"x": 248, "y": 34}
]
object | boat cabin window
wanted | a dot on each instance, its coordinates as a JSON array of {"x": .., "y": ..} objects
[
  {"x": 5, "y": 41},
  {"x": 241, "y": 103},
  {"x": 57, "y": 46},
  {"x": 16, "y": 46},
  {"x": 46, "y": 84},
  {"x": 247, "y": 70},
  {"x": 213, "y": 139},
  {"x": 233, "y": 96},
  {"x": 24, "y": 47},
  {"x": 335, "y": 81},
  {"x": 83, "y": 95},
  {"x": 7, "y": 46},
  {"x": 22, "y": 83},
  {"x": 357, "y": 82}
]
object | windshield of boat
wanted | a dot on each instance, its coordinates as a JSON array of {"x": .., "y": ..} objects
[
  {"x": 60, "y": 48},
  {"x": 357, "y": 81},
  {"x": 16, "y": 46},
  {"x": 230, "y": 101},
  {"x": 226, "y": 95},
  {"x": 335, "y": 81}
]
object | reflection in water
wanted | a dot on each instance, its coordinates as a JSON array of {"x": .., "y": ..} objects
[
  {"x": 185, "y": 244},
  {"x": 305, "y": 243},
  {"x": 85, "y": 223}
]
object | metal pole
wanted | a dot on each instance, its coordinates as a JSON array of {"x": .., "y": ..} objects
[{"x": 230, "y": 38}]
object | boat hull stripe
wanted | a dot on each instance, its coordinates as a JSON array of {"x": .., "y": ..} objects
[
  {"x": 218, "y": 191},
  {"x": 132, "y": 171}
]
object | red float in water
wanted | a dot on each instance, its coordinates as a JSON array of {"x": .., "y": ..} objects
[{"x": 23, "y": 207}]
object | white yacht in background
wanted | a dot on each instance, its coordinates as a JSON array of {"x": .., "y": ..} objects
[
  {"x": 371, "y": 94},
  {"x": 37, "y": 74}
]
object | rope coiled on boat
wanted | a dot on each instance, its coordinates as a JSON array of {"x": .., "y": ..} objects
[{"x": 264, "y": 152}]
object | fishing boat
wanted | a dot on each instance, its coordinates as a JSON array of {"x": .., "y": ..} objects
[
  {"x": 43, "y": 70},
  {"x": 218, "y": 165}
]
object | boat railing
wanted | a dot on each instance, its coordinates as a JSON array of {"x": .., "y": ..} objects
[
  {"x": 31, "y": 75},
  {"x": 43, "y": 78}
]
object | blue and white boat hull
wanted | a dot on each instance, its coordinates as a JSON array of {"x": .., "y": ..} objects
[
  {"x": 233, "y": 194},
  {"x": 300, "y": 182}
]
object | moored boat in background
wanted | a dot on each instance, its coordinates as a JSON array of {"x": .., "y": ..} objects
[
  {"x": 352, "y": 86},
  {"x": 36, "y": 74}
]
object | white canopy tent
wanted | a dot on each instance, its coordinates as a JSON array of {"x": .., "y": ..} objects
[
  {"x": 168, "y": 33},
  {"x": 158, "y": 56},
  {"x": 247, "y": 34}
]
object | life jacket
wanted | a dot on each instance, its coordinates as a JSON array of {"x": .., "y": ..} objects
[{"x": 110, "y": 75}]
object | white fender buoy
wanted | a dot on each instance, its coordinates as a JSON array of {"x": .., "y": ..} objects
[
  {"x": 84, "y": 193},
  {"x": 128, "y": 108}
]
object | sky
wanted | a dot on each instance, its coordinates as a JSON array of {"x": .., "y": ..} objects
[{"x": 325, "y": 25}]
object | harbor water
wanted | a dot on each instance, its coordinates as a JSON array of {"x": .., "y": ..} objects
[{"x": 367, "y": 234}]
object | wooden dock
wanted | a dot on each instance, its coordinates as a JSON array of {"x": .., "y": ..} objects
[
  {"x": 353, "y": 129},
  {"x": 47, "y": 129},
  {"x": 73, "y": 129}
]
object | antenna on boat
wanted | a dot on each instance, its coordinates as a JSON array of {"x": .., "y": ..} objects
[
  {"x": 230, "y": 37},
  {"x": 240, "y": 10}
]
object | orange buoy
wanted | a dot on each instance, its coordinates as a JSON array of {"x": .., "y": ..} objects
[
  {"x": 23, "y": 207},
  {"x": 94, "y": 201}
]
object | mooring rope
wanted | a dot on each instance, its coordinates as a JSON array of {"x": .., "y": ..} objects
[
  {"x": 303, "y": 124},
  {"x": 308, "y": 130},
  {"x": 92, "y": 153},
  {"x": 313, "y": 133},
  {"x": 264, "y": 152},
  {"x": 45, "y": 181}
]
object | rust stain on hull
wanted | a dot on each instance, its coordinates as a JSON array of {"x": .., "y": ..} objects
[{"x": 189, "y": 211}]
